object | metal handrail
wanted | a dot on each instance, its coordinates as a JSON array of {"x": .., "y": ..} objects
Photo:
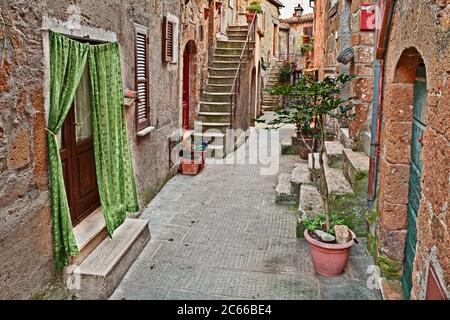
[{"x": 237, "y": 77}]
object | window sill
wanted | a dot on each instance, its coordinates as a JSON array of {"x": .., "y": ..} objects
[{"x": 145, "y": 131}]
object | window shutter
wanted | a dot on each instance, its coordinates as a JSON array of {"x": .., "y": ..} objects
[
  {"x": 168, "y": 41},
  {"x": 141, "y": 78}
]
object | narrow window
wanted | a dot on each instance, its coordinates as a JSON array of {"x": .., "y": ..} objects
[
  {"x": 141, "y": 78},
  {"x": 168, "y": 43}
]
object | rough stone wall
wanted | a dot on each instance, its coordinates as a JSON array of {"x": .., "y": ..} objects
[
  {"x": 337, "y": 27},
  {"x": 418, "y": 29},
  {"x": 295, "y": 42},
  {"x": 272, "y": 17},
  {"x": 25, "y": 237}
]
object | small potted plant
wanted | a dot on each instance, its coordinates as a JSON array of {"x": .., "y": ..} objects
[
  {"x": 329, "y": 245},
  {"x": 252, "y": 9},
  {"x": 202, "y": 150},
  {"x": 190, "y": 162}
]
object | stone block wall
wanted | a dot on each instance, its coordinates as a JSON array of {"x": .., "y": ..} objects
[
  {"x": 416, "y": 39},
  {"x": 26, "y": 249}
]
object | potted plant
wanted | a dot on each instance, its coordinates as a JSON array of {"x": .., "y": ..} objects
[
  {"x": 252, "y": 9},
  {"x": 190, "y": 161},
  {"x": 329, "y": 252},
  {"x": 330, "y": 248},
  {"x": 202, "y": 150}
]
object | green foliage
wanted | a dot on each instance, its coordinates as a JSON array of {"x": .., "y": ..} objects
[
  {"x": 319, "y": 223},
  {"x": 254, "y": 7},
  {"x": 285, "y": 73},
  {"x": 307, "y": 47}
]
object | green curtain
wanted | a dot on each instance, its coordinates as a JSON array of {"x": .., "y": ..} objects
[
  {"x": 112, "y": 152},
  {"x": 67, "y": 62},
  {"x": 115, "y": 176}
]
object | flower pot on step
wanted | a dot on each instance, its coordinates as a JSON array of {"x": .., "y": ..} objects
[
  {"x": 329, "y": 259},
  {"x": 304, "y": 145},
  {"x": 250, "y": 16},
  {"x": 190, "y": 167}
]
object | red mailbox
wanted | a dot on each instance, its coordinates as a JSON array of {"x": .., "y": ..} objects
[{"x": 367, "y": 17}]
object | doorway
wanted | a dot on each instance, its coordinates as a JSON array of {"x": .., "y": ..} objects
[
  {"x": 77, "y": 155},
  {"x": 186, "y": 88},
  {"x": 414, "y": 195}
]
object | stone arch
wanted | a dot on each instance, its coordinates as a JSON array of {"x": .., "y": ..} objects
[
  {"x": 395, "y": 161},
  {"x": 190, "y": 84}
]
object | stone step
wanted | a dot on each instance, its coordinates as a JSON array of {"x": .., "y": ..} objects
[
  {"x": 269, "y": 103},
  {"x": 216, "y": 151},
  {"x": 214, "y": 126},
  {"x": 219, "y": 88},
  {"x": 300, "y": 176},
  {"x": 344, "y": 138},
  {"x": 221, "y": 80},
  {"x": 238, "y": 28},
  {"x": 104, "y": 268},
  {"x": 206, "y": 106},
  {"x": 268, "y": 108},
  {"x": 239, "y": 44},
  {"x": 366, "y": 140},
  {"x": 224, "y": 72},
  {"x": 224, "y": 97},
  {"x": 214, "y": 116},
  {"x": 230, "y": 51},
  {"x": 210, "y": 136},
  {"x": 227, "y": 57},
  {"x": 284, "y": 192},
  {"x": 226, "y": 64},
  {"x": 89, "y": 234},
  {"x": 355, "y": 166},
  {"x": 337, "y": 183},
  {"x": 334, "y": 150},
  {"x": 238, "y": 37},
  {"x": 310, "y": 202}
]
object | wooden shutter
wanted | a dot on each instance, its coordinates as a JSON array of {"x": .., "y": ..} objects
[
  {"x": 141, "y": 78},
  {"x": 168, "y": 40}
]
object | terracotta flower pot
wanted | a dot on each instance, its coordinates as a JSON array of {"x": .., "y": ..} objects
[
  {"x": 329, "y": 259},
  {"x": 190, "y": 167},
  {"x": 303, "y": 149},
  {"x": 250, "y": 16}
]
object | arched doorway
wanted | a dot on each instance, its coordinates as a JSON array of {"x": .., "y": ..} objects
[
  {"x": 189, "y": 85},
  {"x": 253, "y": 97}
]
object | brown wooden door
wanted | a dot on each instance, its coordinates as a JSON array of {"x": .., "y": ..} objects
[
  {"x": 186, "y": 88},
  {"x": 77, "y": 155}
]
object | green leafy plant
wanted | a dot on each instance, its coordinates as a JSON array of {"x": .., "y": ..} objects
[
  {"x": 319, "y": 223},
  {"x": 305, "y": 48},
  {"x": 285, "y": 73},
  {"x": 254, "y": 7}
]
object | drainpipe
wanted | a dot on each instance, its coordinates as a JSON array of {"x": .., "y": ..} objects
[{"x": 378, "y": 100}]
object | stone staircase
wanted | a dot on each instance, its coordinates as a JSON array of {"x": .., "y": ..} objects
[
  {"x": 270, "y": 102},
  {"x": 214, "y": 114},
  {"x": 346, "y": 177},
  {"x": 103, "y": 261}
]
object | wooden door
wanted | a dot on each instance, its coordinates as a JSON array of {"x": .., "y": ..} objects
[
  {"x": 77, "y": 155},
  {"x": 418, "y": 127},
  {"x": 186, "y": 88}
]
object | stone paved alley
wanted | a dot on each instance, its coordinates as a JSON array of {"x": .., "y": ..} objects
[{"x": 220, "y": 235}]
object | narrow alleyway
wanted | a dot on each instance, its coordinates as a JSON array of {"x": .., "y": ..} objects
[{"x": 220, "y": 235}]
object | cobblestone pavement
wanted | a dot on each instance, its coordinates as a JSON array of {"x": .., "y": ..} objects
[{"x": 220, "y": 235}]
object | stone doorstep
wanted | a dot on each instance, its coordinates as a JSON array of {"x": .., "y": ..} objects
[
  {"x": 391, "y": 289},
  {"x": 101, "y": 272},
  {"x": 333, "y": 149},
  {"x": 284, "y": 192},
  {"x": 300, "y": 176},
  {"x": 310, "y": 201},
  {"x": 89, "y": 234},
  {"x": 344, "y": 138},
  {"x": 354, "y": 164},
  {"x": 336, "y": 181}
]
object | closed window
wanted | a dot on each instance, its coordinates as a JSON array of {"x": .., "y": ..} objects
[
  {"x": 170, "y": 39},
  {"x": 141, "y": 78}
]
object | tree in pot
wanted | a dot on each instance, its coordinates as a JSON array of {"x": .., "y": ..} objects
[
  {"x": 299, "y": 110},
  {"x": 330, "y": 240},
  {"x": 252, "y": 9}
]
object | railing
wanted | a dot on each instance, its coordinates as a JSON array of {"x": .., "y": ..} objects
[{"x": 235, "y": 89}]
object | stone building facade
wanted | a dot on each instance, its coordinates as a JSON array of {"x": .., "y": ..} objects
[
  {"x": 413, "y": 237},
  {"x": 337, "y": 27},
  {"x": 26, "y": 247},
  {"x": 301, "y": 32}
]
